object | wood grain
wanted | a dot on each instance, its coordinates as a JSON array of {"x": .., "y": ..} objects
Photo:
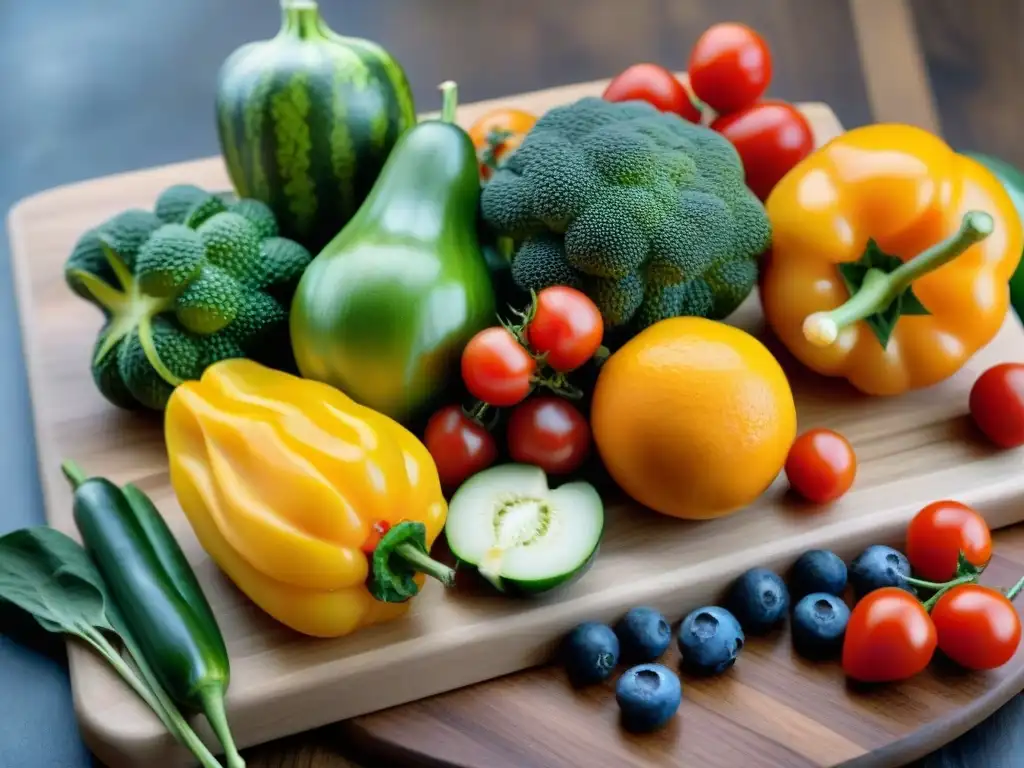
[
  {"x": 909, "y": 450},
  {"x": 974, "y": 56},
  {"x": 772, "y": 710}
]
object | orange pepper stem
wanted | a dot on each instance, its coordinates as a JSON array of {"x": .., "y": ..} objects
[
  {"x": 398, "y": 557},
  {"x": 880, "y": 289}
]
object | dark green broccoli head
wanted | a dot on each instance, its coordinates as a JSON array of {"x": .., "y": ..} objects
[
  {"x": 178, "y": 296},
  {"x": 645, "y": 212}
]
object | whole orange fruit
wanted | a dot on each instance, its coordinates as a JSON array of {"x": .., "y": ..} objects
[{"x": 693, "y": 418}]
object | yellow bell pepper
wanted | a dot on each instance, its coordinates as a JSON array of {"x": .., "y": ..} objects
[
  {"x": 890, "y": 259},
  {"x": 320, "y": 510}
]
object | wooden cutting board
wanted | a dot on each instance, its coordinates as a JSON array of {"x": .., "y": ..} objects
[{"x": 911, "y": 449}]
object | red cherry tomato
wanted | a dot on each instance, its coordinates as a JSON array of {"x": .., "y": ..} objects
[
  {"x": 655, "y": 85},
  {"x": 459, "y": 446},
  {"x": 496, "y": 368},
  {"x": 730, "y": 67},
  {"x": 889, "y": 636},
  {"x": 550, "y": 433},
  {"x": 939, "y": 533},
  {"x": 821, "y": 465},
  {"x": 977, "y": 627},
  {"x": 770, "y": 137},
  {"x": 567, "y": 326},
  {"x": 997, "y": 404}
]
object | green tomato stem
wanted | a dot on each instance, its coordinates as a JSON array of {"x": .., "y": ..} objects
[
  {"x": 449, "y": 100},
  {"x": 881, "y": 288},
  {"x": 1015, "y": 590},
  {"x": 944, "y": 588}
]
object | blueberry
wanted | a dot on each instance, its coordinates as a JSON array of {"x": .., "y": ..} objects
[
  {"x": 758, "y": 599},
  {"x": 710, "y": 639},
  {"x": 648, "y": 696},
  {"x": 817, "y": 570},
  {"x": 590, "y": 653},
  {"x": 819, "y": 625},
  {"x": 876, "y": 567},
  {"x": 643, "y": 634}
]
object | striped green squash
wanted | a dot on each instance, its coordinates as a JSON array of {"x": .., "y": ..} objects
[{"x": 306, "y": 120}]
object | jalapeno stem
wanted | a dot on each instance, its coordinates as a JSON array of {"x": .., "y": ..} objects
[{"x": 879, "y": 288}]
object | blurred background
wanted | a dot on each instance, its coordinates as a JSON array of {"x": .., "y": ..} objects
[{"x": 93, "y": 87}]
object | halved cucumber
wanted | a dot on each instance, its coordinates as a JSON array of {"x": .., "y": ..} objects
[{"x": 521, "y": 536}]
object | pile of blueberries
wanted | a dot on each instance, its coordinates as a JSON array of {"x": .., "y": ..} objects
[{"x": 710, "y": 638}]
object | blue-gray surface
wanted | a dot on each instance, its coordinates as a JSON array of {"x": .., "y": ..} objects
[{"x": 93, "y": 87}]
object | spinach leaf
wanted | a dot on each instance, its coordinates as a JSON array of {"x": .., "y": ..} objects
[{"x": 49, "y": 575}]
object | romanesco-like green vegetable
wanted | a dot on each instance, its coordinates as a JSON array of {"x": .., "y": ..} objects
[
  {"x": 199, "y": 280},
  {"x": 646, "y": 213}
]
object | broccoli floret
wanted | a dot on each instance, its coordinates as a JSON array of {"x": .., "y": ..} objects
[
  {"x": 284, "y": 261},
  {"x": 178, "y": 298},
  {"x": 644, "y": 211},
  {"x": 258, "y": 214},
  {"x": 169, "y": 260},
  {"x": 233, "y": 244},
  {"x": 175, "y": 203}
]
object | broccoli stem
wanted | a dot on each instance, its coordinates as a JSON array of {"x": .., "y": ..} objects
[
  {"x": 880, "y": 289},
  {"x": 449, "y": 100}
]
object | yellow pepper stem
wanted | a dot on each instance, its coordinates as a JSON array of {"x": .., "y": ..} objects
[
  {"x": 880, "y": 289},
  {"x": 398, "y": 557}
]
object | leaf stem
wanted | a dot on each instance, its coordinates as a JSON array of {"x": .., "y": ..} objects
[
  {"x": 879, "y": 288},
  {"x": 175, "y": 722}
]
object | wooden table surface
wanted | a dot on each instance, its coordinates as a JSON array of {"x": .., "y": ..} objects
[{"x": 946, "y": 65}]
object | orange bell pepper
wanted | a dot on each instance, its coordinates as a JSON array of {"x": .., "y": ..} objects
[
  {"x": 890, "y": 259},
  {"x": 321, "y": 510}
]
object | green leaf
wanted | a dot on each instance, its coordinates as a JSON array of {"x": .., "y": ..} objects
[{"x": 49, "y": 575}]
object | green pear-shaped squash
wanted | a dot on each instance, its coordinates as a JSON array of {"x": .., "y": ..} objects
[
  {"x": 385, "y": 309},
  {"x": 306, "y": 120}
]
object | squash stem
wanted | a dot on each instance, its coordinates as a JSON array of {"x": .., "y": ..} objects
[
  {"x": 449, "y": 100},
  {"x": 301, "y": 19},
  {"x": 879, "y": 288}
]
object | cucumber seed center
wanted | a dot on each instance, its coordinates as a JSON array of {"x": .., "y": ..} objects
[{"x": 521, "y": 521}]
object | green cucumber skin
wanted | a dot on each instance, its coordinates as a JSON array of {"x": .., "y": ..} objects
[
  {"x": 305, "y": 125},
  {"x": 534, "y": 588}
]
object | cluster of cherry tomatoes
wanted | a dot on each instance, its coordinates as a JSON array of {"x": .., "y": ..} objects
[
  {"x": 523, "y": 367},
  {"x": 729, "y": 70},
  {"x": 893, "y": 634}
]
